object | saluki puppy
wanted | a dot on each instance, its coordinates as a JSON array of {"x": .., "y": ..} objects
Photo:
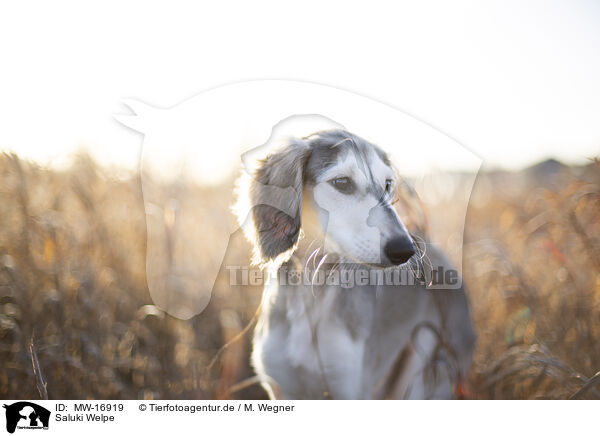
[{"x": 349, "y": 315}]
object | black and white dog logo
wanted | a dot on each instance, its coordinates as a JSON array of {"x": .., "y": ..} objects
[{"x": 26, "y": 415}]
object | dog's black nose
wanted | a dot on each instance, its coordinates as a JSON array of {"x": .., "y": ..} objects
[{"x": 399, "y": 250}]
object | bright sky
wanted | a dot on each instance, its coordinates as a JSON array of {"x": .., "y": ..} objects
[{"x": 514, "y": 81}]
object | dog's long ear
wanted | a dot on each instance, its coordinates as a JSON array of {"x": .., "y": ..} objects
[{"x": 275, "y": 194}]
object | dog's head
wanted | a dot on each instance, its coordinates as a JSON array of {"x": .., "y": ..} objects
[{"x": 338, "y": 188}]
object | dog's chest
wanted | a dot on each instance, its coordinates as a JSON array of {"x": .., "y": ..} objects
[{"x": 315, "y": 344}]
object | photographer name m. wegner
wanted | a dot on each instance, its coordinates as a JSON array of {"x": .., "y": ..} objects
[{"x": 435, "y": 278}]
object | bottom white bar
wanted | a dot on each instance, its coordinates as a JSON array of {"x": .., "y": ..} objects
[{"x": 300, "y": 417}]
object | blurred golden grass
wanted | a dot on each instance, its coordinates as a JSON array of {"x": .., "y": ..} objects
[
  {"x": 73, "y": 277},
  {"x": 533, "y": 273}
]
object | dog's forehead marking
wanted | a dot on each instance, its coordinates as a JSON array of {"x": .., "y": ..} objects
[
  {"x": 347, "y": 165},
  {"x": 380, "y": 169},
  {"x": 364, "y": 166}
]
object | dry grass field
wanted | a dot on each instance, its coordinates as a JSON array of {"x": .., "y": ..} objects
[{"x": 76, "y": 314}]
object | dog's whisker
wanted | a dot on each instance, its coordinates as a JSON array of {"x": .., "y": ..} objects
[
  {"x": 317, "y": 269},
  {"x": 311, "y": 256}
]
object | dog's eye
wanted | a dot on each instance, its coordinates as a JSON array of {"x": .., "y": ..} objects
[
  {"x": 389, "y": 183},
  {"x": 343, "y": 184}
]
